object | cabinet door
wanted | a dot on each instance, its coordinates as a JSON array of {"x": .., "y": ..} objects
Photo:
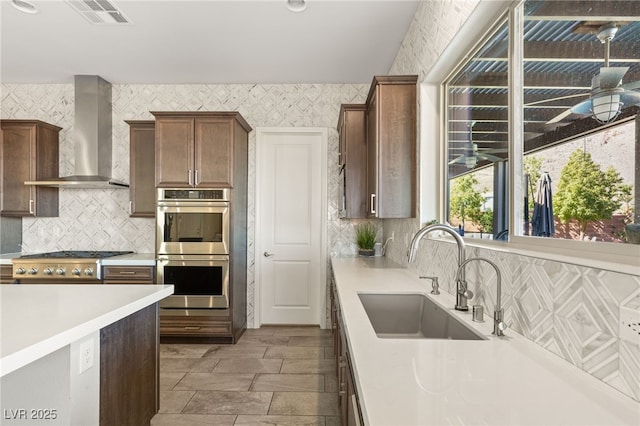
[
  {"x": 29, "y": 152},
  {"x": 142, "y": 168},
  {"x": 18, "y": 152},
  {"x": 372, "y": 155},
  {"x": 354, "y": 156},
  {"x": 213, "y": 152},
  {"x": 396, "y": 151},
  {"x": 174, "y": 152}
]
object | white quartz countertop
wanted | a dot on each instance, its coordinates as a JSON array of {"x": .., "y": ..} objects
[
  {"x": 499, "y": 381},
  {"x": 133, "y": 259},
  {"x": 36, "y": 320}
]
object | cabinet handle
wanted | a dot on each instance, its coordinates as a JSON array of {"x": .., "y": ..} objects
[
  {"x": 32, "y": 206},
  {"x": 195, "y": 180},
  {"x": 127, "y": 272},
  {"x": 191, "y": 327},
  {"x": 130, "y": 207},
  {"x": 189, "y": 176},
  {"x": 373, "y": 204}
]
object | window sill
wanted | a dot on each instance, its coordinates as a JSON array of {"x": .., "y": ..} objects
[{"x": 624, "y": 258}]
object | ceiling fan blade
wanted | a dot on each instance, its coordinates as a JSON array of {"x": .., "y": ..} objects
[
  {"x": 629, "y": 97},
  {"x": 558, "y": 118},
  {"x": 611, "y": 77},
  {"x": 489, "y": 157},
  {"x": 583, "y": 108},
  {"x": 459, "y": 159},
  {"x": 488, "y": 150},
  {"x": 631, "y": 85},
  {"x": 559, "y": 98}
]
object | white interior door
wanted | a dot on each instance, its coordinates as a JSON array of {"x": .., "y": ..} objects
[{"x": 291, "y": 212}]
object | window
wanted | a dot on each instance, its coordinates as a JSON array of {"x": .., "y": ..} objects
[
  {"x": 477, "y": 139},
  {"x": 581, "y": 71},
  {"x": 578, "y": 90}
]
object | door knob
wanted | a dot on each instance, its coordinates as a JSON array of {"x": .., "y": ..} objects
[{"x": 267, "y": 254}]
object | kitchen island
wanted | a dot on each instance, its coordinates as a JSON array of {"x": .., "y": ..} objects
[
  {"x": 506, "y": 380},
  {"x": 79, "y": 354}
]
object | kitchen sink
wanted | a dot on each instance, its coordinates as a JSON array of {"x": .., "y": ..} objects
[{"x": 412, "y": 316}]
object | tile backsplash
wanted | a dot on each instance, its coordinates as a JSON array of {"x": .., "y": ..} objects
[{"x": 93, "y": 219}]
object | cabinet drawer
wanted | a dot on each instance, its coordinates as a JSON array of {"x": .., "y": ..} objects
[
  {"x": 190, "y": 327},
  {"x": 6, "y": 276},
  {"x": 124, "y": 274}
]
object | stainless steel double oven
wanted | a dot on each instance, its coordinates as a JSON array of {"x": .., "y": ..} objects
[{"x": 192, "y": 247}]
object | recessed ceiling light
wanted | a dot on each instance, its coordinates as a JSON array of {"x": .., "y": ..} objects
[
  {"x": 24, "y": 6},
  {"x": 296, "y": 5}
]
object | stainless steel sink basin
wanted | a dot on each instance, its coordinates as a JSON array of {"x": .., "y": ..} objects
[{"x": 412, "y": 316}]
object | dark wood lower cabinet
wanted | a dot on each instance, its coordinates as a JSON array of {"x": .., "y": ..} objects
[
  {"x": 129, "y": 369},
  {"x": 6, "y": 274},
  {"x": 349, "y": 406}
]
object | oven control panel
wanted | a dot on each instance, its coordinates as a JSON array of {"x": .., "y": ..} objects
[{"x": 56, "y": 269}]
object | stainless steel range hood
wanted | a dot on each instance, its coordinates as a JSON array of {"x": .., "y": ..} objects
[{"x": 92, "y": 137}]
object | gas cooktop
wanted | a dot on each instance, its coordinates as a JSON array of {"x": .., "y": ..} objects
[
  {"x": 70, "y": 254},
  {"x": 62, "y": 265}
]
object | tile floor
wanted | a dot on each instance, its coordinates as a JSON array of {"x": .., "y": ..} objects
[{"x": 275, "y": 375}]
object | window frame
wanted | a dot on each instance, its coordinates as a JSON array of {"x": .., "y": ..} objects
[{"x": 611, "y": 256}]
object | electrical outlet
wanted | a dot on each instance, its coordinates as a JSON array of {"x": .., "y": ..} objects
[
  {"x": 86, "y": 355},
  {"x": 630, "y": 325}
]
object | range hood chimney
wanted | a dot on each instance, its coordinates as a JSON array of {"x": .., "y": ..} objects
[{"x": 92, "y": 137}]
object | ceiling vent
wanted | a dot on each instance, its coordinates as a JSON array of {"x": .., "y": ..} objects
[{"x": 99, "y": 11}]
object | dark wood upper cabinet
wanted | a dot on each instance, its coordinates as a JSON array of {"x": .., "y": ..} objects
[
  {"x": 142, "y": 168},
  {"x": 353, "y": 160},
  {"x": 29, "y": 151},
  {"x": 196, "y": 149},
  {"x": 391, "y": 147}
]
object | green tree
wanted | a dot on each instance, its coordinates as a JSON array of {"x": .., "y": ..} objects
[
  {"x": 532, "y": 166},
  {"x": 466, "y": 201},
  {"x": 485, "y": 221},
  {"x": 586, "y": 193}
]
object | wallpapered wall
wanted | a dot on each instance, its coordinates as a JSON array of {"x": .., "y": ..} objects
[
  {"x": 573, "y": 311},
  {"x": 99, "y": 219}
]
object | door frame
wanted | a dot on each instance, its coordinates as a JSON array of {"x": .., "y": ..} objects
[{"x": 261, "y": 132}]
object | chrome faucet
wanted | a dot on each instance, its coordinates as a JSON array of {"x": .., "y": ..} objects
[
  {"x": 498, "y": 324},
  {"x": 462, "y": 293}
]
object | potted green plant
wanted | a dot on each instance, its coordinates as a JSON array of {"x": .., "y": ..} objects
[{"x": 365, "y": 238}]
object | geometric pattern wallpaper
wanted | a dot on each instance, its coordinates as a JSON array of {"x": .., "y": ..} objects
[
  {"x": 98, "y": 219},
  {"x": 572, "y": 311}
]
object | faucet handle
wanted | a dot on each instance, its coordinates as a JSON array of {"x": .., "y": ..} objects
[
  {"x": 499, "y": 326},
  {"x": 464, "y": 290},
  {"x": 435, "y": 286}
]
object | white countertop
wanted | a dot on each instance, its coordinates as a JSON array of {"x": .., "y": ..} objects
[
  {"x": 498, "y": 381},
  {"x": 133, "y": 259},
  {"x": 36, "y": 320}
]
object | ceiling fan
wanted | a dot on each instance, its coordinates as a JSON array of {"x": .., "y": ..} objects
[
  {"x": 472, "y": 153},
  {"x": 608, "y": 94}
]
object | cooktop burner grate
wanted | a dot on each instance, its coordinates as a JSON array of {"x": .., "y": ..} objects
[{"x": 77, "y": 254}]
